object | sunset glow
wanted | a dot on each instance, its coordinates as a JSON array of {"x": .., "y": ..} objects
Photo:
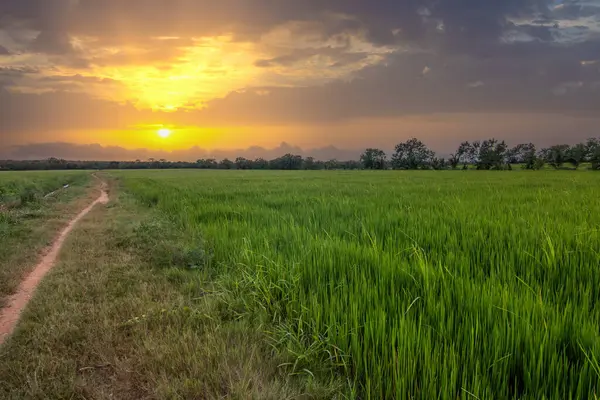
[
  {"x": 333, "y": 75},
  {"x": 164, "y": 133}
]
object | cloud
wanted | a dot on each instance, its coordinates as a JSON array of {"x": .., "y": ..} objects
[
  {"x": 332, "y": 57},
  {"x": 111, "y": 64},
  {"x": 475, "y": 84},
  {"x": 52, "y": 42},
  {"x": 23, "y": 113},
  {"x": 69, "y": 151},
  {"x": 382, "y": 21}
]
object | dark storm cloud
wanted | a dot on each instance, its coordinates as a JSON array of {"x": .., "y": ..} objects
[
  {"x": 52, "y": 42},
  {"x": 448, "y": 26},
  {"x": 4, "y": 51},
  {"x": 517, "y": 78},
  {"x": 50, "y": 18},
  {"x": 385, "y": 21}
]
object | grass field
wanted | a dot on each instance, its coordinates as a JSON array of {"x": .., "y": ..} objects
[
  {"x": 22, "y": 188},
  {"x": 28, "y": 221},
  {"x": 411, "y": 285},
  {"x": 248, "y": 284}
]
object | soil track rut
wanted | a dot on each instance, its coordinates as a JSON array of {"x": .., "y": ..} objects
[{"x": 9, "y": 316}]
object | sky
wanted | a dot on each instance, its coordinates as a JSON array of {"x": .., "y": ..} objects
[{"x": 90, "y": 79}]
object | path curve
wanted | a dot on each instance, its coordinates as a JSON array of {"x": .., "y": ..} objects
[{"x": 9, "y": 315}]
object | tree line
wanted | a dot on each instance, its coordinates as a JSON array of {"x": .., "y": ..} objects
[
  {"x": 490, "y": 154},
  {"x": 286, "y": 162}
]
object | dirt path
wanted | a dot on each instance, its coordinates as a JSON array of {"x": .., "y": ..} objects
[{"x": 9, "y": 316}]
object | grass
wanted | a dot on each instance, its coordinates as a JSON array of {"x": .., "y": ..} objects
[
  {"x": 121, "y": 317},
  {"x": 248, "y": 284},
  {"x": 412, "y": 285},
  {"x": 29, "y": 220}
]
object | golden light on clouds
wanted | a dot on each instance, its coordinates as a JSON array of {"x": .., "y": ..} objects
[
  {"x": 211, "y": 68},
  {"x": 170, "y": 73},
  {"x": 176, "y": 74}
]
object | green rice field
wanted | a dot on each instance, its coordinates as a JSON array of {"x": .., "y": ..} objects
[{"x": 407, "y": 285}]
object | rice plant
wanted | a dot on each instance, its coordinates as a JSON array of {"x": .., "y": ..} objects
[{"x": 407, "y": 285}]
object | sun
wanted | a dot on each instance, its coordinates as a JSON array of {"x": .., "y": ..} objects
[{"x": 164, "y": 133}]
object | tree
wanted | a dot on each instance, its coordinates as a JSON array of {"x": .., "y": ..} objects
[
  {"x": 331, "y": 164},
  {"x": 461, "y": 154},
  {"x": 467, "y": 153},
  {"x": 287, "y": 162},
  {"x": 577, "y": 154},
  {"x": 412, "y": 154},
  {"x": 210, "y": 163},
  {"x": 226, "y": 164},
  {"x": 438, "y": 163},
  {"x": 593, "y": 151},
  {"x": 373, "y": 159},
  {"x": 243, "y": 163},
  {"x": 454, "y": 160},
  {"x": 491, "y": 154},
  {"x": 309, "y": 163},
  {"x": 352, "y": 164},
  {"x": 524, "y": 154},
  {"x": 555, "y": 155},
  {"x": 261, "y": 163},
  {"x": 539, "y": 163},
  {"x": 473, "y": 152}
]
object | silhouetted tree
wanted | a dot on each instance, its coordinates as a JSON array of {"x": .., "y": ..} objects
[
  {"x": 260, "y": 163},
  {"x": 454, "y": 160},
  {"x": 331, "y": 164},
  {"x": 374, "y": 159},
  {"x": 593, "y": 151},
  {"x": 243, "y": 163},
  {"x": 412, "y": 154},
  {"x": 438, "y": 163},
  {"x": 287, "y": 162},
  {"x": 464, "y": 154},
  {"x": 491, "y": 154},
  {"x": 226, "y": 164},
  {"x": 524, "y": 154},
  {"x": 577, "y": 154},
  {"x": 309, "y": 163},
  {"x": 555, "y": 155}
]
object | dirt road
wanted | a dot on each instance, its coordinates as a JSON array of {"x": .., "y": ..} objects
[{"x": 9, "y": 316}]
